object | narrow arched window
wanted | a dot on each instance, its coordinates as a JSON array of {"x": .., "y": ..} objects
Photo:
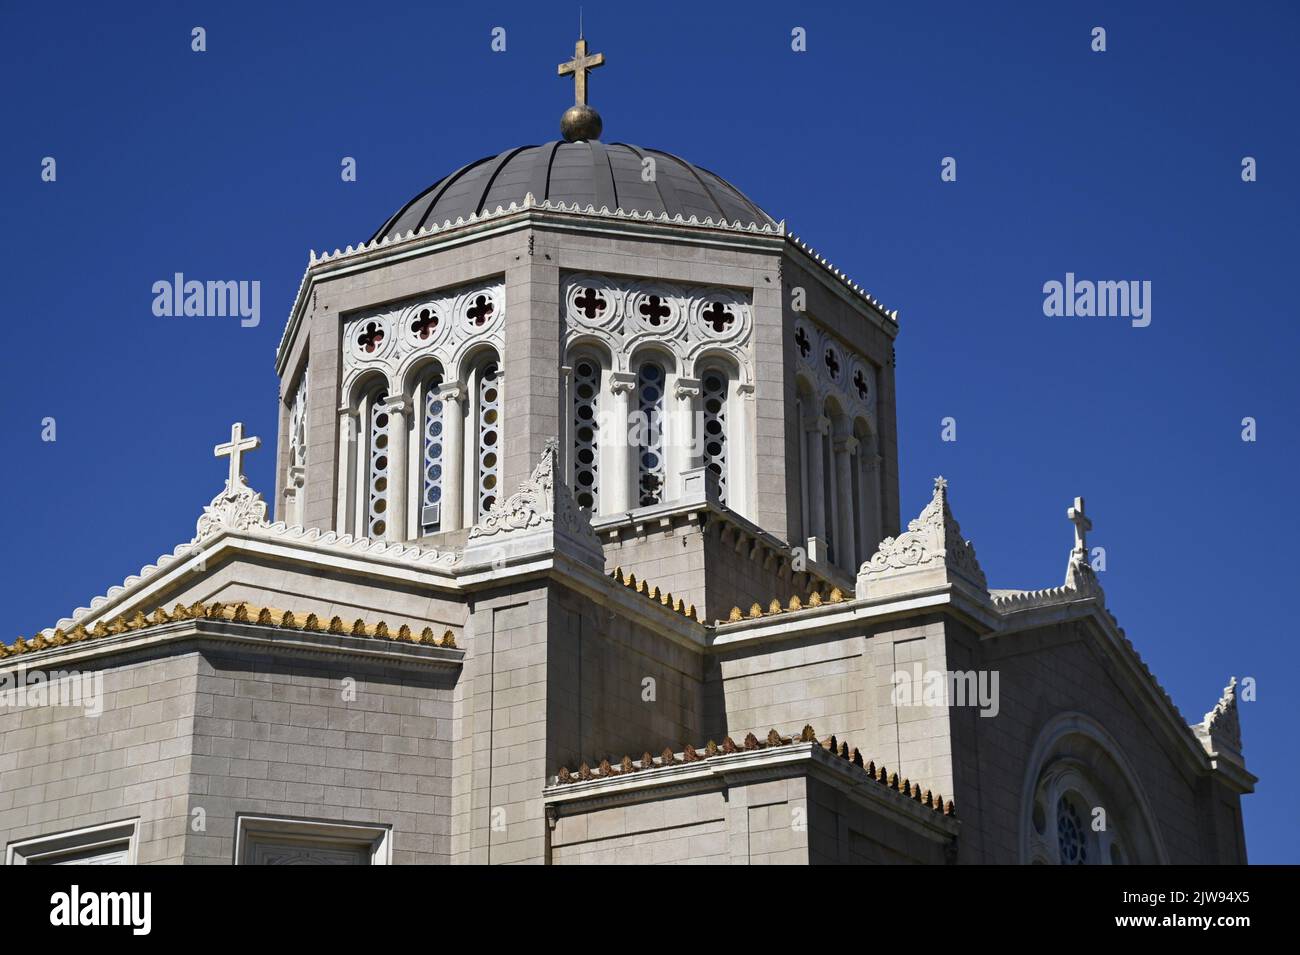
[
  {"x": 828, "y": 494},
  {"x": 650, "y": 405},
  {"x": 586, "y": 433},
  {"x": 714, "y": 392},
  {"x": 432, "y": 456},
  {"x": 487, "y": 437},
  {"x": 859, "y": 506},
  {"x": 377, "y": 463}
]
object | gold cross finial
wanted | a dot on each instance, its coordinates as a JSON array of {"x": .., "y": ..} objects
[{"x": 580, "y": 66}]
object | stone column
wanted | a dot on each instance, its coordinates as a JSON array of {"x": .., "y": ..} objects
[
  {"x": 683, "y": 436},
  {"x": 831, "y": 498},
  {"x": 740, "y": 459},
  {"x": 566, "y": 462},
  {"x": 453, "y": 456},
  {"x": 616, "y": 452},
  {"x": 346, "y": 470},
  {"x": 294, "y": 493},
  {"x": 845, "y": 531},
  {"x": 814, "y": 434},
  {"x": 871, "y": 509},
  {"x": 398, "y": 410}
]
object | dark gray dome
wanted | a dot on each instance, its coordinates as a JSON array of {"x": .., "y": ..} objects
[{"x": 588, "y": 173}]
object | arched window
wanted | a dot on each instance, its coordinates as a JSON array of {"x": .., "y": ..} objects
[
  {"x": 1081, "y": 803},
  {"x": 586, "y": 432},
  {"x": 829, "y": 495},
  {"x": 866, "y": 492},
  {"x": 807, "y": 493},
  {"x": 650, "y": 460},
  {"x": 296, "y": 479},
  {"x": 714, "y": 390},
  {"x": 432, "y": 453},
  {"x": 375, "y": 414},
  {"x": 485, "y": 439}
]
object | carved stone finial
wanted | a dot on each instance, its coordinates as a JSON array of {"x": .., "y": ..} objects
[
  {"x": 541, "y": 504},
  {"x": 931, "y": 550},
  {"x": 1221, "y": 728},
  {"x": 237, "y": 507}
]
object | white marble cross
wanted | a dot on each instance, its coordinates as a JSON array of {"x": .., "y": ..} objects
[
  {"x": 1081, "y": 525},
  {"x": 235, "y": 448}
]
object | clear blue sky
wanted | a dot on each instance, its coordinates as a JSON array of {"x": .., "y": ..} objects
[{"x": 1122, "y": 165}]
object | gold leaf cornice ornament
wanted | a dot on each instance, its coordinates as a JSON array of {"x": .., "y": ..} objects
[
  {"x": 904, "y": 788},
  {"x": 241, "y": 613}
]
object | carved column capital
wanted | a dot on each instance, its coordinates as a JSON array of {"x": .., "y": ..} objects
[
  {"x": 395, "y": 404},
  {"x": 622, "y": 383},
  {"x": 819, "y": 423},
  {"x": 687, "y": 388},
  {"x": 454, "y": 392}
]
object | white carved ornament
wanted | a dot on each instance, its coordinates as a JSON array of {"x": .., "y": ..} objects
[
  {"x": 932, "y": 537},
  {"x": 443, "y": 326},
  {"x": 1222, "y": 725},
  {"x": 237, "y": 510},
  {"x": 538, "y": 502},
  {"x": 835, "y": 371},
  {"x": 692, "y": 322}
]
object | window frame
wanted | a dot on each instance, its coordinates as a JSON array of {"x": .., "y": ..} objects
[
  {"x": 254, "y": 829},
  {"x": 44, "y": 850}
]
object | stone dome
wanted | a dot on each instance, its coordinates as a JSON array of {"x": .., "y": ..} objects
[{"x": 588, "y": 173}]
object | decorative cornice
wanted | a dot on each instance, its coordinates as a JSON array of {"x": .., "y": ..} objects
[
  {"x": 932, "y": 541},
  {"x": 573, "y": 208},
  {"x": 844, "y": 280},
  {"x": 794, "y": 605},
  {"x": 241, "y": 515},
  {"x": 237, "y": 613},
  {"x": 663, "y": 598},
  {"x": 904, "y": 788},
  {"x": 530, "y": 207}
]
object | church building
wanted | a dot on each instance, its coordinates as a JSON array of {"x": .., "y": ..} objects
[{"x": 585, "y": 547}]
